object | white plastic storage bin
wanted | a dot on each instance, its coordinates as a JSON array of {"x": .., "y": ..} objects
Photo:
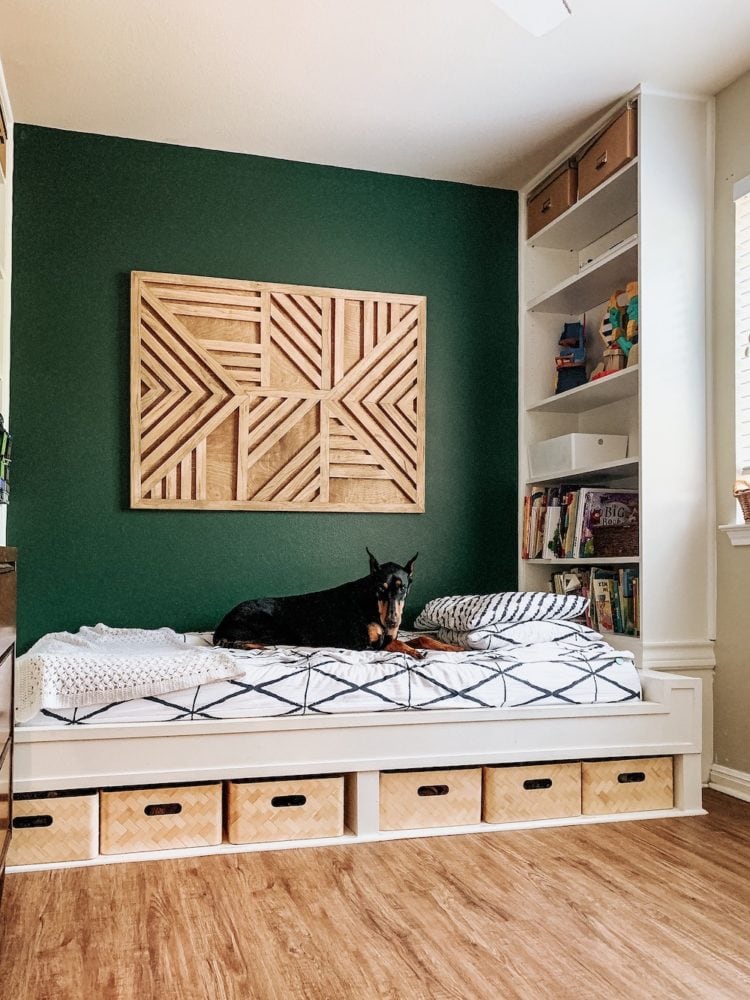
[{"x": 559, "y": 455}]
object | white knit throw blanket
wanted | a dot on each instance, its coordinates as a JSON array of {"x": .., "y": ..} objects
[{"x": 103, "y": 664}]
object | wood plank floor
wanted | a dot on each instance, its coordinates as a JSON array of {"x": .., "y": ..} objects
[{"x": 653, "y": 909}]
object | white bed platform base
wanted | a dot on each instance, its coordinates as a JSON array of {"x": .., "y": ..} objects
[{"x": 667, "y": 722}]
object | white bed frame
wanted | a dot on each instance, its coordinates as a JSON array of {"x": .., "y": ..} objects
[{"x": 667, "y": 722}]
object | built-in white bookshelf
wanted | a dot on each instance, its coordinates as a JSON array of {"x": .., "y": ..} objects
[
  {"x": 645, "y": 223},
  {"x": 6, "y": 213}
]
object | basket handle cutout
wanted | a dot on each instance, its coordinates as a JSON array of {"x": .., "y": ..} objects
[
  {"x": 432, "y": 790},
  {"x": 533, "y": 783},
  {"x": 29, "y": 822},
  {"x": 281, "y": 801},
  {"x": 163, "y": 809},
  {"x": 627, "y": 776}
]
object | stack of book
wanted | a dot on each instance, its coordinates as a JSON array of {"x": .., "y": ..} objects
[
  {"x": 613, "y": 594},
  {"x": 558, "y": 521}
]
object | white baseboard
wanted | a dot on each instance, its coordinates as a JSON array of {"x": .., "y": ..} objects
[{"x": 729, "y": 781}]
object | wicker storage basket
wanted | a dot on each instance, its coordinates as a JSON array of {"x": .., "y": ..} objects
[
  {"x": 54, "y": 826},
  {"x": 160, "y": 817},
  {"x": 615, "y": 539},
  {"x": 415, "y": 800},
  {"x": 531, "y": 791},
  {"x": 742, "y": 495},
  {"x": 614, "y": 786},
  {"x": 284, "y": 809}
]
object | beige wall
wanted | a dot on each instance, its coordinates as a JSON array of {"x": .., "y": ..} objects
[{"x": 732, "y": 682}]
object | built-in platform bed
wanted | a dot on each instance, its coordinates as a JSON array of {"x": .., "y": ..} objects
[{"x": 665, "y": 724}]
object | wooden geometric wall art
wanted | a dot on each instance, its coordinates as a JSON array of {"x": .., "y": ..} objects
[{"x": 255, "y": 396}]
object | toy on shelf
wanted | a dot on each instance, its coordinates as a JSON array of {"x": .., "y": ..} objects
[
  {"x": 619, "y": 331},
  {"x": 631, "y": 330},
  {"x": 571, "y": 361}
]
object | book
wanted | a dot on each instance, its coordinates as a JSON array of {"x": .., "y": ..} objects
[
  {"x": 537, "y": 536},
  {"x": 601, "y": 506},
  {"x": 525, "y": 526},
  {"x": 551, "y": 539},
  {"x": 570, "y": 523},
  {"x": 532, "y": 504},
  {"x": 603, "y": 603}
]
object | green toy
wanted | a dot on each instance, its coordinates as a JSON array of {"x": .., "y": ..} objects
[{"x": 631, "y": 330}]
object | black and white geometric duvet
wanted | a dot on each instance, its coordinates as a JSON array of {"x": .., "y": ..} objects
[{"x": 571, "y": 666}]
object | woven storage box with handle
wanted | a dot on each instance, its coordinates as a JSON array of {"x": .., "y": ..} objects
[
  {"x": 160, "y": 817},
  {"x": 742, "y": 494},
  {"x": 615, "y": 539},
  {"x": 614, "y": 786},
  {"x": 531, "y": 791},
  {"x": 414, "y": 800},
  {"x": 54, "y": 826},
  {"x": 259, "y": 811}
]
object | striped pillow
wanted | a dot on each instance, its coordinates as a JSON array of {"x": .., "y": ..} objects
[{"x": 479, "y": 611}]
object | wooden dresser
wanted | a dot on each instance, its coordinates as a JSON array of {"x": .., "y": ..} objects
[{"x": 7, "y": 657}]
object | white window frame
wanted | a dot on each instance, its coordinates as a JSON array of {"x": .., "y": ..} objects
[
  {"x": 739, "y": 533},
  {"x": 742, "y": 325}
]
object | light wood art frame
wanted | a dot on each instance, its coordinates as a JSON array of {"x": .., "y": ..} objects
[{"x": 256, "y": 396}]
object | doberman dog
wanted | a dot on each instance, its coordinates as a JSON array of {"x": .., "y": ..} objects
[{"x": 363, "y": 614}]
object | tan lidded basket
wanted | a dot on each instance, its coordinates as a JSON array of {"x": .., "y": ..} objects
[
  {"x": 160, "y": 817},
  {"x": 54, "y": 826},
  {"x": 415, "y": 800},
  {"x": 263, "y": 810}
]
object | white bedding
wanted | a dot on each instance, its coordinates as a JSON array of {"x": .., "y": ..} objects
[
  {"x": 99, "y": 664},
  {"x": 540, "y": 664}
]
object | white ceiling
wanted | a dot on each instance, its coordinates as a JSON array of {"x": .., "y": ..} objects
[{"x": 447, "y": 89}]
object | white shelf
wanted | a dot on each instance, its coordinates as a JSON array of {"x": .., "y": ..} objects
[
  {"x": 363, "y": 838},
  {"x": 632, "y": 643},
  {"x": 594, "y": 284},
  {"x": 601, "y": 392},
  {"x": 623, "y": 468},
  {"x": 656, "y": 206},
  {"x": 587, "y": 561},
  {"x": 594, "y": 215},
  {"x": 738, "y": 534}
]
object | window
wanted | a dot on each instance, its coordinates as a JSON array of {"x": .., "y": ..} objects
[{"x": 742, "y": 325}]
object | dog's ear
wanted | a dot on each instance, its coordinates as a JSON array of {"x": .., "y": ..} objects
[
  {"x": 410, "y": 565},
  {"x": 374, "y": 564}
]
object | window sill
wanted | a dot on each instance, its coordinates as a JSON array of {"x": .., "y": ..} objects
[{"x": 739, "y": 534}]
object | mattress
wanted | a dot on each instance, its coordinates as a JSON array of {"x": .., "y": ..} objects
[{"x": 574, "y": 666}]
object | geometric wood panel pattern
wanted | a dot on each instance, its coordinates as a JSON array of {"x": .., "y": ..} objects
[{"x": 255, "y": 396}]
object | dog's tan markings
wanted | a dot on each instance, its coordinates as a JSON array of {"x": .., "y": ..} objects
[
  {"x": 397, "y": 646},
  {"x": 374, "y": 632}
]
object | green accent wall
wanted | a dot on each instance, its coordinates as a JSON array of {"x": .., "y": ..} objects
[{"x": 88, "y": 210}]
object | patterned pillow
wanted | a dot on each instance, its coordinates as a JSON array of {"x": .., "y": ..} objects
[
  {"x": 511, "y": 635},
  {"x": 463, "y": 614}
]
